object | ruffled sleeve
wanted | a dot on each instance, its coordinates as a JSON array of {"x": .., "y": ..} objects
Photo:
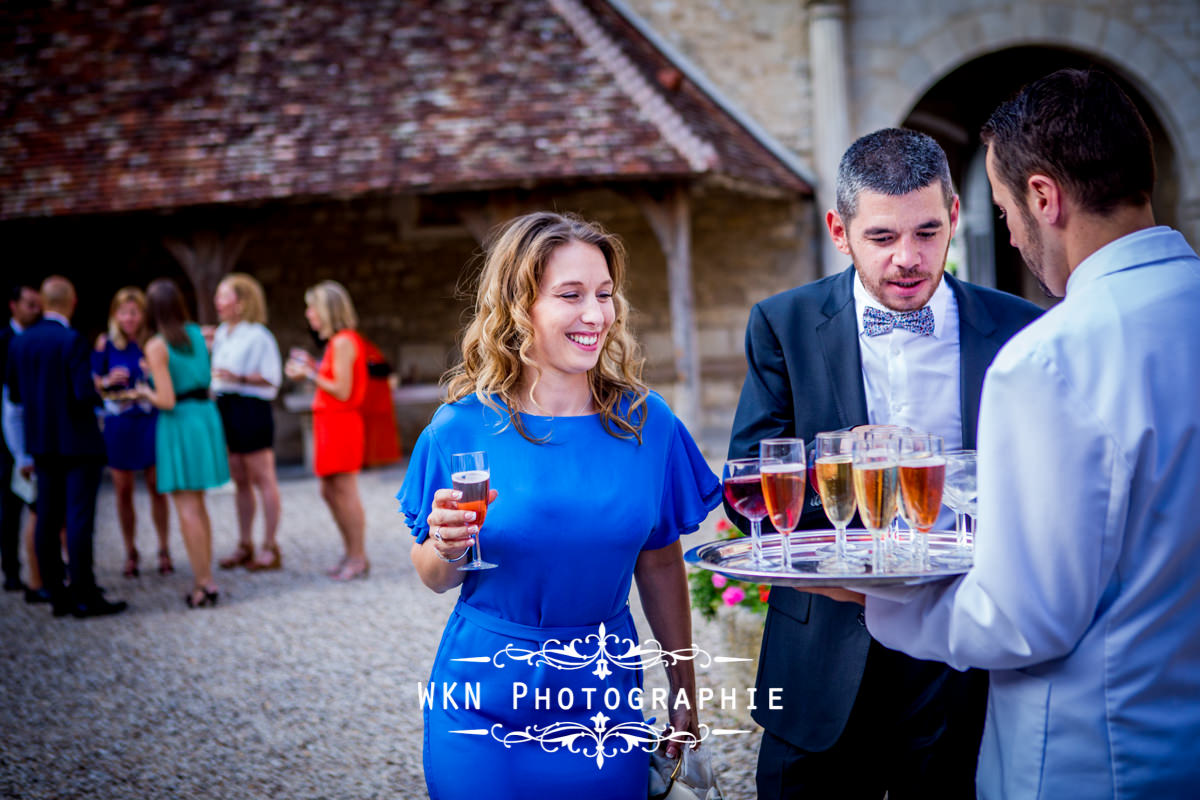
[
  {"x": 428, "y": 471},
  {"x": 690, "y": 490}
]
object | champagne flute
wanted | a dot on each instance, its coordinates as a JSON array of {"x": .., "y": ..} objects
[
  {"x": 961, "y": 497},
  {"x": 892, "y": 545},
  {"x": 744, "y": 492},
  {"x": 782, "y": 464},
  {"x": 471, "y": 475},
  {"x": 922, "y": 478},
  {"x": 875, "y": 460},
  {"x": 834, "y": 475}
]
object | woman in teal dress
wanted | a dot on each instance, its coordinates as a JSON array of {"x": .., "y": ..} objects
[
  {"x": 592, "y": 482},
  {"x": 189, "y": 441}
]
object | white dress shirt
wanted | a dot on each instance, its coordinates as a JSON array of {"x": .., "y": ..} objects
[
  {"x": 911, "y": 379},
  {"x": 244, "y": 349},
  {"x": 1084, "y": 601}
]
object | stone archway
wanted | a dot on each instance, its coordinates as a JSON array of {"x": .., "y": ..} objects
[{"x": 899, "y": 57}]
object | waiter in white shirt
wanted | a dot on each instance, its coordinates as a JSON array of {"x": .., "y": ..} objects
[
  {"x": 889, "y": 340},
  {"x": 1084, "y": 601}
]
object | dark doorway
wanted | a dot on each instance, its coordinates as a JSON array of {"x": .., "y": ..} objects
[{"x": 954, "y": 110}]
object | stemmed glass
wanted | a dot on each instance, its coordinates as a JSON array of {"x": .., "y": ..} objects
[
  {"x": 834, "y": 479},
  {"x": 744, "y": 492},
  {"x": 961, "y": 497},
  {"x": 471, "y": 475},
  {"x": 781, "y": 464},
  {"x": 922, "y": 478},
  {"x": 875, "y": 460}
]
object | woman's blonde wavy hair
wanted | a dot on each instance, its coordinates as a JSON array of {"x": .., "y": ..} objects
[
  {"x": 496, "y": 344},
  {"x": 127, "y": 294}
]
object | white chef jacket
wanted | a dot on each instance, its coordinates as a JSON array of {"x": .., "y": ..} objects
[{"x": 1084, "y": 601}]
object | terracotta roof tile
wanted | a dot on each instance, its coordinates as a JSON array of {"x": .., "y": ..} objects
[{"x": 111, "y": 105}]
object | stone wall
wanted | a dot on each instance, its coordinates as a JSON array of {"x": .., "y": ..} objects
[
  {"x": 406, "y": 285},
  {"x": 756, "y": 53}
]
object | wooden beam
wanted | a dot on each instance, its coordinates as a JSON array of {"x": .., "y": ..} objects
[
  {"x": 670, "y": 217},
  {"x": 206, "y": 257}
]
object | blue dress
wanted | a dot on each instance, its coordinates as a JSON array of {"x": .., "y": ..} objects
[
  {"x": 128, "y": 427},
  {"x": 571, "y": 517}
]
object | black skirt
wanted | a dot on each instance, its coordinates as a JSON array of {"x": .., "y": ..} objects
[{"x": 249, "y": 423}]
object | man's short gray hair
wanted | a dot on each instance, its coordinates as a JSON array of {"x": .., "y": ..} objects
[{"x": 892, "y": 161}]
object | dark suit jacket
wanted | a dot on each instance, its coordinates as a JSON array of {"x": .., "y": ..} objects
[
  {"x": 805, "y": 376},
  {"x": 50, "y": 375}
]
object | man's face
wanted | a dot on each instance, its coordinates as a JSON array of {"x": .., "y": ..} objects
[
  {"x": 27, "y": 308},
  {"x": 898, "y": 244},
  {"x": 1023, "y": 231}
]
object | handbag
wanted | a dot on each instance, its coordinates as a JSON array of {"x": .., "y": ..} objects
[{"x": 690, "y": 777}]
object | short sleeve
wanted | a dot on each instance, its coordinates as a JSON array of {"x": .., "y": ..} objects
[
  {"x": 428, "y": 471},
  {"x": 690, "y": 490},
  {"x": 264, "y": 354}
]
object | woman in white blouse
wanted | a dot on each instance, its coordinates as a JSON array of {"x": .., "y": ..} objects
[{"x": 247, "y": 371}]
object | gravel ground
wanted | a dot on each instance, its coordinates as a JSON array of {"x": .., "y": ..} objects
[{"x": 294, "y": 687}]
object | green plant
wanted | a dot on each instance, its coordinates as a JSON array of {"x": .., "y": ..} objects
[{"x": 710, "y": 591}]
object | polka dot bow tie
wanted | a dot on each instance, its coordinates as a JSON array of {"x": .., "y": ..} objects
[{"x": 877, "y": 322}]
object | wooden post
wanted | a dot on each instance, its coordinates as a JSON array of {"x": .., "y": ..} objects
[
  {"x": 670, "y": 218},
  {"x": 206, "y": 258}
]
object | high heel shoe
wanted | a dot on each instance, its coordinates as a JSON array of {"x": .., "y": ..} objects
[
  {"x": 243, "y": 555},
  {"x": 165, "y": 567},
  {"x": 201, "y": 597},
  {"x": 276, "y": 561},
  {"x": 131, "y": 564},
  {"x": 353, "y": 570}
]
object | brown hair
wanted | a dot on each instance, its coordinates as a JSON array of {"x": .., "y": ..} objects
[
  {"x": 167, "y": 313},
  {"x": 496, "y": 343}
]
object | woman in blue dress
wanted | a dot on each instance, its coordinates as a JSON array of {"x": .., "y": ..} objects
[
  {"x": 592, "y": 481},
  {"x": 128, "y": 425}
]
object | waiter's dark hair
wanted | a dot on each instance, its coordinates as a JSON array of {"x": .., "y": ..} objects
[
  {"x": 891, "y": 161},
  {"x": 1079, "y": 128}
]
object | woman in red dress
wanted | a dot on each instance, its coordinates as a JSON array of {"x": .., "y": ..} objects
[{"x": 338, "y": 438}]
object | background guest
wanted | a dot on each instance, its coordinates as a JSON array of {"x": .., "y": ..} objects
[
  {"x": 129, "y": 426},
  {"x": 338, "y": 438},
  {"x": 247, "y": 371},
  {"x": 189, "y": 443},
  {"x": 25, "y": 308},
  {"x": 49, "y": 374}
]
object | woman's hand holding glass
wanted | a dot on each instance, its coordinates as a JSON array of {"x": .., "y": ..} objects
[{"x": 452, "y": 530}]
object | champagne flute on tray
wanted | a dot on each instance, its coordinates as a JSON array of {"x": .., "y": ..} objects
[
  {"x": 471, "y": 475},
  {"x": 743, "y": 488},
  {"x": 834, "y": 479},
  {"x": 782, "y": 464}
]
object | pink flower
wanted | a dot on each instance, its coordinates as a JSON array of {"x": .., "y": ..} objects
[
  {"x": 723, "y": 525},
  {"x": 719, "y": 581},
  {"x": 733, "y": 595}
]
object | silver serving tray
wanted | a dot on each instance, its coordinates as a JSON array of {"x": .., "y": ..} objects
[{"x": 732, "y": 558}]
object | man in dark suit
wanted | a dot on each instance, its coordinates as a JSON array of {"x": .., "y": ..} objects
[
  {"x": 892, "y": 340},
  {"x": 49, "y": 374},
  {"x": 25, "y": 307}
]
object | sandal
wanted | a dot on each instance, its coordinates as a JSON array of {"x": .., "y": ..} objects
[
  {"x": 243, "y": 555},
  {"x": 165, "y": 567},
  {"x": 336, "y": 568},
  {"x": 274, "y": 563},
  {"x": 353, "y": 570},
  {"x": 201, "y": 597},
  {"x": 131, "y": 564}
]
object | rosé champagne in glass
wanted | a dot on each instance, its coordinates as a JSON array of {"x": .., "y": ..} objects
[{"x": 471, "y": 476}]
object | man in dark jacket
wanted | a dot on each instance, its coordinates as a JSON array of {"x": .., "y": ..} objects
[{"x": 49, "y": 375}]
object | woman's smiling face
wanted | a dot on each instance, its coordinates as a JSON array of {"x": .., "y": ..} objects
[{"x": 573, "y": 312}]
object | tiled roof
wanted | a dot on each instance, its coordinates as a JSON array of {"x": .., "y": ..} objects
[{"x": 116, "y": 105}]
